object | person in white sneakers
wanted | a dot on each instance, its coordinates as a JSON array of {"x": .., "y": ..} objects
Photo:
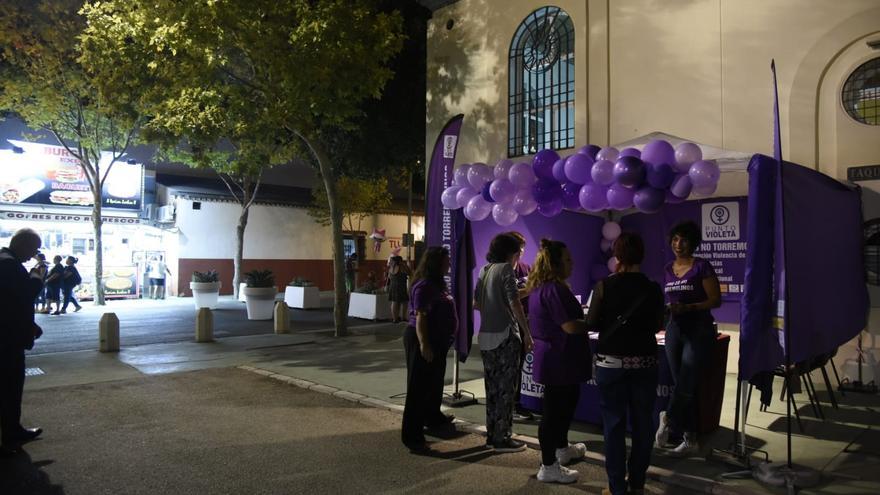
[
  {"x": 562, "y": 360},
  {"x": 692, "y": 291}
]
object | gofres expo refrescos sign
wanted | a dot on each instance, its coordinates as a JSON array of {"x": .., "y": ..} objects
[{"x": 44, "y": 174}]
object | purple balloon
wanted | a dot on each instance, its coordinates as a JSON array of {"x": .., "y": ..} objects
[
  {"x": 550, "y": 208},
  {"x": 521, "y": 175},
  {"x": 502, "y": 168},
  {"x": 648, "y": 199},
  {"x": 543, "y": 162},
  {"x": 603, "y": 172},
  {"x": 660, "y": 175},
  {"x": 629, "y": 171},
  {"x": 559, "y": 170},
  {"x": 590, "y": 150},
  {"x": 593, "y": 197},
  {"x": 461, "y": 175},
  {"x": 571, "y": 195},
  {"x": 673, "y": 199},
  {"x": 707, "y": 190},
  {"x": 464, "y": 195},
  {"x": 477, "y": 209},
  {"x": 658, "y": 151},
  {"x": 681, "y": 186},
  {"x": 619, "y": 197},
  {"x": 630, "y": 152},
  {"x": 546, "y": 190},
  {"x": 578, "y": 168},
  {"x": 504, "y": 214},
  {"x": 484, "y": 192},
  {"x": 448, "y": 197},
  {"x": 687, "y": 154},
  {"x": 502, "y": 190},
  {"x": 598, "y": 272},
  {"x": 704, "y": 173},
  {"x": 609, "y": 153},
  {"x": 479, "y": 174},
  {"x": 523, "y": 202}
]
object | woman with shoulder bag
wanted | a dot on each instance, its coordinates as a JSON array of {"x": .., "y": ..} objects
[
  {"x": 627, "y": 310},
  {"x": 504, "y": 333}
]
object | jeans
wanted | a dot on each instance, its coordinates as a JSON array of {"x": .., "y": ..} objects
[
  {"x": 501, "y": 365},
  {"x": 622, "y": 393},
  {"x": 69, "y": 297},
  {"x": 424, "y": 388},
  {"x": 689, "y": 346},
  {"x": 560, "y": 402}
]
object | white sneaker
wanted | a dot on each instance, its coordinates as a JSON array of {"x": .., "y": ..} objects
[
  {"x": 573, "y": 452},
  {"x": 661, "y": 438},
  {"x": 687, "y": 448},
  {"x": 557, "y": 474}
]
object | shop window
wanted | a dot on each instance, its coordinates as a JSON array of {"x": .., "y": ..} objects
[
  {"x": 541, "y": 83},
  {"x": 861, "y": 93}
]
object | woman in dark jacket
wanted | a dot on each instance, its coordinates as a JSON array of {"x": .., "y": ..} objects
[{"x": 627, "y": 310}]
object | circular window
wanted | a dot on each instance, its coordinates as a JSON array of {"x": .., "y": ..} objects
[{"x": 861, "y": 93}]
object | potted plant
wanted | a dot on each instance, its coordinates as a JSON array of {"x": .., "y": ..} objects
[
  {"x": 259, "y": 294},
  {"x": 301, "y": 293},
  {"x": 369, "y": 301},
  {"x": 205, "y": 287}
]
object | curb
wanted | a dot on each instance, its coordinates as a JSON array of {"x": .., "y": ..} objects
[{"x": 669, "y": 477}]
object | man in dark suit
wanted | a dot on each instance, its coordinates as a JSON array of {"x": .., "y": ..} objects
[{"x": 17, "y": 334}]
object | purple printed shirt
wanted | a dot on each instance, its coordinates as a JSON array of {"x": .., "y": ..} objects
[
  {"x": 559, "y": 358},
  {"x": 688, "y": 289},
  {"x": 438, "y": 304}
]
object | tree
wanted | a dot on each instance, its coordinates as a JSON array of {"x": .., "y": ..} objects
[
  {"x": 360, "y": 198},
  {"x": 42, "y": 82},
  {"x": 299, "y": 68}
]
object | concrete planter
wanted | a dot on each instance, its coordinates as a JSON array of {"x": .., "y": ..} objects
[
  {"x": 205, "y": 294},
  {"x": 302, "y": 297},
  {"x": 369, "y": 306},
  {"x": 260, "y": 302}
]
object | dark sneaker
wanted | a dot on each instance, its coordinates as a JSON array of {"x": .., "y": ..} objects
[{"x": 508, "y": 445}]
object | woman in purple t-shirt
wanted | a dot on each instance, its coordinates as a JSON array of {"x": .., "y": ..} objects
[
  {"x": 692, "y": 291},
  {"x": 426, "y": 340},
  {"x": 562, "y": 360}
]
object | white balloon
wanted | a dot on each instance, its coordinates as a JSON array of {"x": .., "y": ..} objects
[{"x": 611, "y": 231}]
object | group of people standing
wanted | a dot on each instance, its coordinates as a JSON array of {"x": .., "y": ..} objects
[
  {"x": 58, "y": 280},
  {"x": 532, "y": 309}
]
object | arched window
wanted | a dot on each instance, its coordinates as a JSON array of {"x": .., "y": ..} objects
[
  {"x": 861, "y": 93},
  {"x": 541, "y": 78}
]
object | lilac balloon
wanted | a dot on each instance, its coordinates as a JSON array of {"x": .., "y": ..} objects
[
  {"x": 578, "y": 168},
  {"x": 648, "y": 199},
  {"x": 605, "y": 245},
  {"x": 630, "y": 152},
  {"x": 673, "y": 199},
  {"x": 448, "y": 197},
  {"x": 658, "y": 151},
  {"x": 550, "y": 208},
  {"x": 687, "y": 154},
  {"x": 629, "y": 171},
  {"x": 612, "y": 264},
  {"x": 504, "y": 214},
  {"x": 502, "y": 168},
  {"x": 599, "y": 272},
  {"x": 704, "y": 173},
  {"x": 464, "y": 195},
  {"x": 611, "y": 231},
  {"x": 479, "y": 174},
  {"x": 543, "y": 162},
  {"x": 660, "y": 175},
  {"x": 609, "y": 153},
  {"x": 523, "y": 202},
  {"x": 590, "y": 150},
  {"x": 593, "y": 197},
  {"x": 546, "y": 191},
  {"x": 477, "y": 209},
  {"x": 502, "y": 191},
  {"x": 461, "y": 175},
  {"x": 521, "y": 175},
  {"x": 571, "y": 195},
  {"x": 681, "y": 186},
  {"x": 704, "y": 191},
  {"x": 484, "y": 192},
  {"x": 603, "y": 172},
  {"x": 619, "y": 197},
  {"x": 559, "y": 170}
]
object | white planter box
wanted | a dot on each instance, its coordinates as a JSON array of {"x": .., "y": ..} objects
[
  {"x": 369, "y": 306},
  {"x": 260, "y": 302},
  {"x": 205, "y": 294},
  {"x": 302, "y": 297}
]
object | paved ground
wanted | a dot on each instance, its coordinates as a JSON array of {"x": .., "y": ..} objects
[{"x": 231, "y": 431}]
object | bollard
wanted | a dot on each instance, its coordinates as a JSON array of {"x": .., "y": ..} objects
[
  {"x": 282, "y": 317},
  {"x": 204, "y": 325},
  {"x": 108, "y": 333}
]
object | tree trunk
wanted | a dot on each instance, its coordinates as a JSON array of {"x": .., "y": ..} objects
[
  {"x": 97, "y": 223},
  {"x": 239, "y": 246}
]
